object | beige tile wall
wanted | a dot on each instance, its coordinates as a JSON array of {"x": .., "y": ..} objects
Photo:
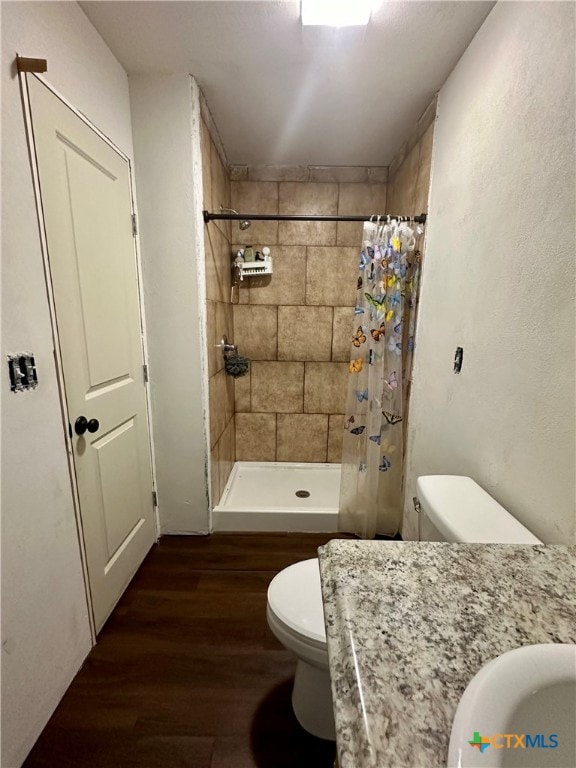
[
  {"x": 216, "y": 189},
  {"x": 409, "y": 180},
  {"x": 296, "y": 324},
  {"x": 409, "y": 183}
]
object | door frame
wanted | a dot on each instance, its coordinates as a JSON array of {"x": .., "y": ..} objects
[{"x": 29, "y": 129}]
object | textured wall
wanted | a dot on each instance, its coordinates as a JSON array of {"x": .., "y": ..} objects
[
  {"x": 296, "y": 324},
  {"x": 218, "y": 254},
  {"x": 45, "y": 629},
  {"x": 499, "y": 273},
  {"x": 164, "y": 141}
]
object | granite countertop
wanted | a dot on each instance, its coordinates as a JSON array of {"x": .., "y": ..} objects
[{"x": 409, "y": 624}]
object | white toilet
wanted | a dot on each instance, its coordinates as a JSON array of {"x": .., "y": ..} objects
[
  {"x": 296, "y": 616},
  {"x": 453, "y": 508}
]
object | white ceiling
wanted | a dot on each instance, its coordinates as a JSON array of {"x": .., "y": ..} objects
[{"x": 281, "y": 93}]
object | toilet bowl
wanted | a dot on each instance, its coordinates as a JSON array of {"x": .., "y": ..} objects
[
  {"x": 455, "y": 508},
  {"x": 295, "y": 615}
]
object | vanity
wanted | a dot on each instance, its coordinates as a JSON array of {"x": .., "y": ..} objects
[{"x": 408, "y": 625}]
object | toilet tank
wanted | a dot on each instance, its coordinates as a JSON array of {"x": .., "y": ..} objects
[{"x": 459, "y": 510}]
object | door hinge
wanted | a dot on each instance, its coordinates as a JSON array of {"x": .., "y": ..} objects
[
  {"x": 154, "y": 498},
  {"x": 145, "y": 372},
  {"x": 134, "y": 225}
]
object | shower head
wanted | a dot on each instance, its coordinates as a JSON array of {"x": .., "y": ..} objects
[{"x": 243, "y": 223}]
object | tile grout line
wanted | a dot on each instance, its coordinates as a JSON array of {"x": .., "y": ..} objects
[
  {"x": 304, "y": 387},
  {"x": 337, "y": 214}
]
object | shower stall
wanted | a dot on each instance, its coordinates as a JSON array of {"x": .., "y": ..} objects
[
  {"x": 289, "y": 495},
  {"x": 276, "y": 433}
]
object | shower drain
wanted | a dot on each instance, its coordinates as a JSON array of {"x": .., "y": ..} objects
[{"x": 302, "y": 494}]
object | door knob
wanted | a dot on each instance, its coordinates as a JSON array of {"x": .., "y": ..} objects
[{"x": 82, "y": 424}]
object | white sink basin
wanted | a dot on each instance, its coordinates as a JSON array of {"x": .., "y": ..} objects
[{"x": 524, "y": 697}]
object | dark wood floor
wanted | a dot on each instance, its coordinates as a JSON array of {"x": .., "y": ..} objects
[{"x": 186, "y": 671}]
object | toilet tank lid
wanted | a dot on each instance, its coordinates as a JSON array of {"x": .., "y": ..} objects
[{"x": 462, "y": 511}]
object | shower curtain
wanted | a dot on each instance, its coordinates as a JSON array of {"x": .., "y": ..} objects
[{"x": 379, "y": 373}]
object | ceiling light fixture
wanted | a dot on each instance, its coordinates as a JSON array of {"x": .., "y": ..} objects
[{"x": 337, "y": 13}]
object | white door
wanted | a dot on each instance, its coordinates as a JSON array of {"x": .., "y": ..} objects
[{"x": 86, "y": 201}]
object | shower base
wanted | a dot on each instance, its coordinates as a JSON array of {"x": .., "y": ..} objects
[{"x": 279, "y": 496}]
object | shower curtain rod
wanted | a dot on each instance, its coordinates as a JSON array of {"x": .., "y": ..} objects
[{"x": 421, "y": 219}]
